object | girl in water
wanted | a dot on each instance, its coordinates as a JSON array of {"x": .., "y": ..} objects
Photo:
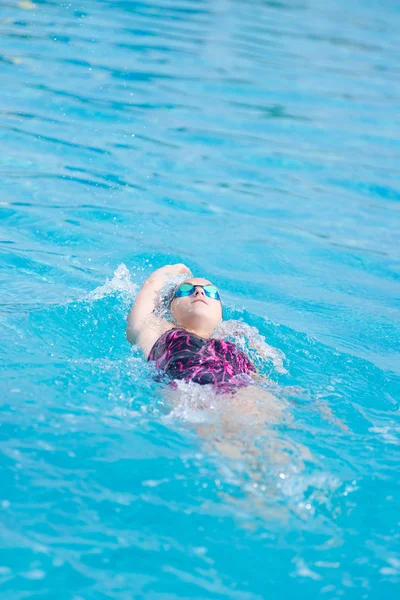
[{"x": 184, "y": 348}]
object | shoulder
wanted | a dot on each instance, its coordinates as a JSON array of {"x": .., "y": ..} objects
[
  {"x": 149, "y": 335},
  {"x": 166, "y": 339}
]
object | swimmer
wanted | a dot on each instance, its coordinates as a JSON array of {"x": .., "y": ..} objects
[
  {"x": 173, "y": 320},
  {"x": 183, "y": 347}
]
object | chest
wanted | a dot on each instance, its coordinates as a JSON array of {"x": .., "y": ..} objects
[{"x": 198, "y": 351}]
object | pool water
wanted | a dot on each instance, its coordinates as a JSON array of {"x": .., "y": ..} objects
[{"x": 258, "y": 143}]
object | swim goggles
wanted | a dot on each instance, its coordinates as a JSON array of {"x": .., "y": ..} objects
[{"x": 187, "y": 289}]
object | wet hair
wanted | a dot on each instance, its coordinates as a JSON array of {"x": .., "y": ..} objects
[{"x": 167, "y": 294}]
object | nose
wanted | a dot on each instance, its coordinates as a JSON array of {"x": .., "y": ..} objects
[{"x": 199, "y": 291}]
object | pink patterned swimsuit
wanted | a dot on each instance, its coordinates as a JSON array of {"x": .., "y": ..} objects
[{"x": 184, "y": 355}]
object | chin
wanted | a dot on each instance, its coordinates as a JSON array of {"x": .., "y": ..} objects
[{"x": 198, "y": 307}]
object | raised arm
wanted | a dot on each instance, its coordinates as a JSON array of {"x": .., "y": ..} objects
[{"x": 144, "y": 326}]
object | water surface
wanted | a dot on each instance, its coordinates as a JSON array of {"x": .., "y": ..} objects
[{"x": 258, "y": 143}]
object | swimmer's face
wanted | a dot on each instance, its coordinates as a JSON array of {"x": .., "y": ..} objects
[{"x": 197, "y": 311}]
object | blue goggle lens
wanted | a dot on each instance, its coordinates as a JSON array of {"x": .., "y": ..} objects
[{"x": 187, "y": 289}]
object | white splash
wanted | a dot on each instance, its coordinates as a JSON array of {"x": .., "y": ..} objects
[
  {"x": 191, "y": 402},
  {"x": 121, "y": 282},
  {"x": 240, "y": 332}
]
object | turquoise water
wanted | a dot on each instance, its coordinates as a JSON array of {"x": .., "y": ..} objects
[{"x": 258, "y": 143}]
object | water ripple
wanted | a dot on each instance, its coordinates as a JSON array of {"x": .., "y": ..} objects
[{"x": 258, "y": 142}]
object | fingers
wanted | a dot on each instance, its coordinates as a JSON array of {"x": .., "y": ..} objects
[
  {"x": 159, "y": 276},
  {"x": 177, "y": 268}
]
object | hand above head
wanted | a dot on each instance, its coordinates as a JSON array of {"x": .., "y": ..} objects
[
  {"x": 161, "y": 275},
  {"x": 176, "y": 269}
]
